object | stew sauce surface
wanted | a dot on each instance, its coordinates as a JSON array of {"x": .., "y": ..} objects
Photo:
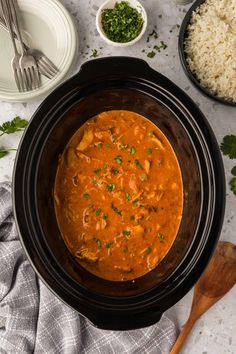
[{"x": 118, "y": 195}]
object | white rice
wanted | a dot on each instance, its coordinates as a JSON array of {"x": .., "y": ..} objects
[{"x": 211, "y": 47}]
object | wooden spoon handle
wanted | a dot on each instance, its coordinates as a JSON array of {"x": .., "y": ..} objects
[{"x": 183, "y": 335}]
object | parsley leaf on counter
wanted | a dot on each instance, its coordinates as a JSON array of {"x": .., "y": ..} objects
[
  {"x": 3, "y": 153},
  {"x": 94, "y": 53},
  {"x": 233, "y": 185},
  {"x": 233, "y": 171},
  {"x": 15, "y": 125},
  {"x": 228, "y": 146}
]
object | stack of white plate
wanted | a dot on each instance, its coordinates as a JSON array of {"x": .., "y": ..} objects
[{"x": 46, "y": 26}]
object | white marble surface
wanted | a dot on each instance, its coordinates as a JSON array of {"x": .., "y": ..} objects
[{"x": 215, "y": 331}]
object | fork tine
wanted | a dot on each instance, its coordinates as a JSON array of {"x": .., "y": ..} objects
[
  {"x": 18, "y": 84},
  {"x": 49, "y": 64},
  {"x": 32, "y": 83},
  {"x": 44, "y": 72},
  {"x": 27, "y": 79},
  {"x": 34, "y": 78},
  {"x": 36, "y": 74},
  {"x": 48, "y": 68},
  {"x": 22, "y": 81},
  {"x": 44, "y": 68},
  {"x": 31, "y": 73}
]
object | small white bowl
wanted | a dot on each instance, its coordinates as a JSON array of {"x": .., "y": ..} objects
[{"x": 109, "y": 4}]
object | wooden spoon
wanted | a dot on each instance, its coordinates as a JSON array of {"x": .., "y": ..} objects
[{"x": 218, "y": 278}]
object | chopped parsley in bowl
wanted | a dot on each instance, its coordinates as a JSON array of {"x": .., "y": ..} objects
[{"x": 121, "y": 23}]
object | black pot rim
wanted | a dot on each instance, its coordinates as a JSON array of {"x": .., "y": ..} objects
[
  {"x": 187, "y": 71},
  {"x": 152, "y": 312}
]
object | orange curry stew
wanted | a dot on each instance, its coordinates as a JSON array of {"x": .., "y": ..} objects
[{"x": 118, "y": 195}]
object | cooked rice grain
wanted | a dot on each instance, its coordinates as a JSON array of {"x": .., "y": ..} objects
[{"x": 210, "y": 46}]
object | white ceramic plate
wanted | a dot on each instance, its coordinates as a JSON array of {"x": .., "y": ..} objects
[{"x": 46, "y": 26}]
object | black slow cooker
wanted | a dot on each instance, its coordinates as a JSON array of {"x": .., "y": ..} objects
[{"x": 101, "y": 85}]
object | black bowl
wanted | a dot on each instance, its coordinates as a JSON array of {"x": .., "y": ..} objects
[
  {"x": 106, "y": 84},
  {"x": 182, "y": 55}
]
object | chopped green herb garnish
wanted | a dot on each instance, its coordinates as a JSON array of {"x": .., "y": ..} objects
[
  {"x": 122, "y": 23},
  {"x": 154, "y": 34},
  {"x": 123, "y": 146},
  {"x": 108, "y": 145},
  {"x": 128, "y": 196},
  {"x": 87, "y": 196},
  {"x": 106, "y": 165},
  {"x": 94, "y": 53},
  {"x": 138, "y": 164},
  {"x": 151, "y": 54},
  {"x": 97, "y": 171},
  {"x": 99, "y": 145},
  {"x": 118, "y": 159},
  {"x": 126, "y": 232},
  {"x": 98, "y": 242},
  {"x": 98, "y": 211},
  {"x": 90, "y": 206},
  {"x": 114, "y": 139},
  {"x": 114, "y": 171},
  {"x": 132, "y": 150},
  {"x": 111, "y": 187},
  {"x": 149, "y": 150},
  {"x": 95, "y": 182},
  {"x": 105, "y": 216},
  {"x": 116, "y": 210},
  {"x": 151, "y": 134},
  {"x": 156, "y": 48},
  {"x": 161, "y": 236},
  {"x": 163, "y": 45},
  {"x": 108, "y": 244},
  {"x": 148, "y": 250},
  {"x": 132, "y": 217},
  {"x": 136, "y": 201},
  {"x": 143, "y": 178}
]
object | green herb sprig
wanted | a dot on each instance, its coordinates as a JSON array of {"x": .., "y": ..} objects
[
  {"x": 228, "y": 148},
  {"x": 15, "y": 125},
  {"x": 10, "y": 127}
]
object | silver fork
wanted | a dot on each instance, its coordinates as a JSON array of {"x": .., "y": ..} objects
[
  {"x": 27, "y": 61},
  {"x": 45, "y": 66},
  {"x": 15, "y": 63}
]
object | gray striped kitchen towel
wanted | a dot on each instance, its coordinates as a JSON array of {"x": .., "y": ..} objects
[{"x": 34, "y": 320}]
